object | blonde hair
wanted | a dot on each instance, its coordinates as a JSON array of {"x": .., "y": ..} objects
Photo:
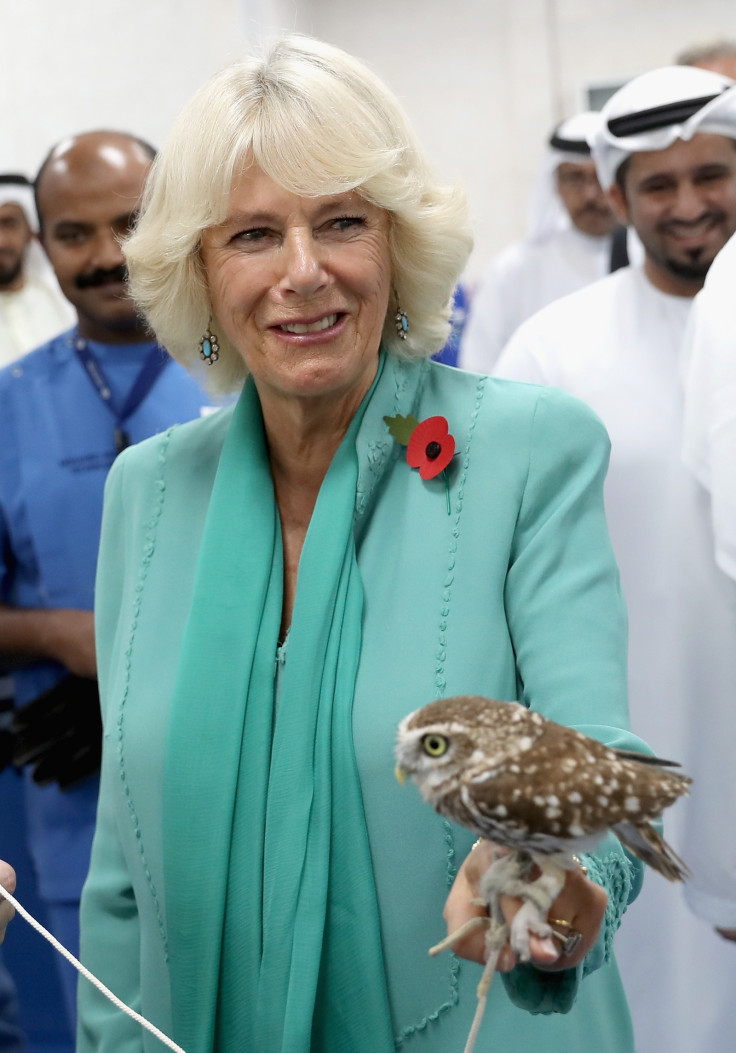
[{"x": 318, "y": 122}]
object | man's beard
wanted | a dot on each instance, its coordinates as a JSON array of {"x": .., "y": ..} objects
[
  {"x": 10, "y": 273},
  {"x": 694, "y": 272},
  {"x": 693, "y": 267}
]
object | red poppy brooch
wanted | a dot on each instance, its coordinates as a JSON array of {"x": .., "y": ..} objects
[{"x": 429, "y": 445}]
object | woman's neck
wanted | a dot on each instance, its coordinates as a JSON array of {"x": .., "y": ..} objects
[
  {"x": 302, "y": 439},
  {"x": 303, "y": 436}
]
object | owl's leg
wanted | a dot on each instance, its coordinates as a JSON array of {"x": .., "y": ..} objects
[
  {"x": 486, "y": 899},
  {"x": 506, "y": 872},
  {"x": 512, "y": 879}
]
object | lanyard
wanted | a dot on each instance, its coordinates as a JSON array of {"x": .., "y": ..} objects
[{"x": 153, "y": 364}]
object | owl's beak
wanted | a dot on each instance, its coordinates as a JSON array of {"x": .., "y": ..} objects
[{"x": 400, "y": 774}]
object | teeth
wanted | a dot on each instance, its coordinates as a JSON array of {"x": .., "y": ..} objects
[{"x": 312, "y": 327}]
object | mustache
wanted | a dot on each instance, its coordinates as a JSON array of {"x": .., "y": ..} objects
[
  {"x": 592, "y": 208},
  {"x": 102, "y": 276},
  {"x": 677, "y": 226}
]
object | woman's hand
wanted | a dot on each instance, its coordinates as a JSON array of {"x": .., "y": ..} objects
[
  {"x": 7, "y": 880},
  {"x": 581, "y": 903}
]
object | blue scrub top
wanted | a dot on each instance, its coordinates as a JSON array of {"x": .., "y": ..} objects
[
  {"x": 450, "y": 353},
  {"x": 56, "y": 450}
]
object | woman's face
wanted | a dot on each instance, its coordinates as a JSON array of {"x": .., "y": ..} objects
[{"x": 301, "y": 287}]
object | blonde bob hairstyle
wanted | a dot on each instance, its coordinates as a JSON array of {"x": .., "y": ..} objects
[{"x": 317, "y": 122}]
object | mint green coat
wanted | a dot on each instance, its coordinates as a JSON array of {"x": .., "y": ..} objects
[{"x": 513, "y": 594}]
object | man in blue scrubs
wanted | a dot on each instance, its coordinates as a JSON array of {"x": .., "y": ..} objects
[{"x": 67, "y": 409}]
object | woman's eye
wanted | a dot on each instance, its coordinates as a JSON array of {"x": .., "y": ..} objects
[
  {"x": 253, "y": 235},
  {"x": 346, "y": 222}
]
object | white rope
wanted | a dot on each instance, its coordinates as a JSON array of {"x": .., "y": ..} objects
[{"x": 88, "y": 975}]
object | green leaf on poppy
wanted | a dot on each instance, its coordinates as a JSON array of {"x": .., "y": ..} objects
[{"x": 401, "y": 427}]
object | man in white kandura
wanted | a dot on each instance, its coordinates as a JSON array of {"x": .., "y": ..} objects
[
  {"x": 709, "y": 451},
  {"x": 665, "y": 148},
  {"x": 568, "y": 245},
  {"x": 32, "y": 307}
]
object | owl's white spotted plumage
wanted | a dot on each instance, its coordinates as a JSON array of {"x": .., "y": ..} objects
[{"x": 516, "y": 778}]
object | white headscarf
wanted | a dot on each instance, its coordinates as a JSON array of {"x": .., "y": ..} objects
[
  {"x": 655, "y": 109},
  {"x": 36, "y": 266},
  {"x": 568, "y": 143},
  {"x": 709, "y": 429}
]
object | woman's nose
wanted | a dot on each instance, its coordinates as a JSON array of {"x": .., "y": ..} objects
[{"x": 303, "y": 266}]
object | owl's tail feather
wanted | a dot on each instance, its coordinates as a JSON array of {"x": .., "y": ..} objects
[
  {"x": 646, "y": 758},
  {"x": 646, "y": 844}
]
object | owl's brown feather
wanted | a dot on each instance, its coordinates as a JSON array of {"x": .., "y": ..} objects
[{"x": 513, "y": 776}]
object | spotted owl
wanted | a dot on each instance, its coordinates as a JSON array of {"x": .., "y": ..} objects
[{"x": 516, "y": 778}]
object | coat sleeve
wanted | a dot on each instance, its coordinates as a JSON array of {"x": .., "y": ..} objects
[
  {"x": 568, "y": 624},
  {"x": 110, "y": 935}
]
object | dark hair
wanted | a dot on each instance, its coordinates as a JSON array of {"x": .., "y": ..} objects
[
  {"x": 145, "y": 146},
  {"x": 706, "y": 52},
  {"x": 621, "y": 171}
]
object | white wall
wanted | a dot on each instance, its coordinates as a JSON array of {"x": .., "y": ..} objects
[
  {"x": 486, "y": 80},
  {"x": 74, "y": 65},
  {"x": 483, "y": 80}
]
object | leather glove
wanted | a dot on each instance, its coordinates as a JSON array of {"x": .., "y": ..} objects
[
  {"x": 6, "y": 734},
  {"x": 59, "y": 734}
]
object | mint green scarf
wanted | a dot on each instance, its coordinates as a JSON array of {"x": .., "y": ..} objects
[{"x": 273, "y": 925}]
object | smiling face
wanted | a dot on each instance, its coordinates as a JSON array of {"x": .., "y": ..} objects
[
  {"x": 88, "y": 198},
  {"x": 682, "y": 203},
  {"x": 301, "y": 288},
  {"x": 584, "y": 199},
  {"x": 15, "y": 236}
]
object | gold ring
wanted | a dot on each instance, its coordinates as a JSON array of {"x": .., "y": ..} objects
[
  {"x": 560, "y": 921},
  {"x": 581, "y": 865}
]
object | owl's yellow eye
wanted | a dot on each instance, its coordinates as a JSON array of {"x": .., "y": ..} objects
[{"x": 434, "y": 745}]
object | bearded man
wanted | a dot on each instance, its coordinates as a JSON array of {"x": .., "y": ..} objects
[
  {"x": 32, "y": 307},
  {"x": 568, "y": 245},
  {"x": 665, "y": 150}
]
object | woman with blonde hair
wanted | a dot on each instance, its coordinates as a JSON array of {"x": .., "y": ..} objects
[{"x": 278, "y": 585}]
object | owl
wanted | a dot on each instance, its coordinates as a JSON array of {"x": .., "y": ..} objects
[
  {"x": 516, "y": 778},
  {"x": 543, "y": 791}
]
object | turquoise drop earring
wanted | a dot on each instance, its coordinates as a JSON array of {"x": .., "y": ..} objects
[
  {"x": 400, "y": 320},
  {"x": 209, "y": 347}
]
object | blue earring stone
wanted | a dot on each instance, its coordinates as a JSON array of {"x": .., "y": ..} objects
[{"x": 209, "y": 348}]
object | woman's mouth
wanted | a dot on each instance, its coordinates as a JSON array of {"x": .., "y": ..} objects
[{"x": 310, "y": 327}]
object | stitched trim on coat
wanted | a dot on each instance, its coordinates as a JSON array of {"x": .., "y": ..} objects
[
  {"x": 441, "y": 686},
  {"x": 148, "y": 549}
]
